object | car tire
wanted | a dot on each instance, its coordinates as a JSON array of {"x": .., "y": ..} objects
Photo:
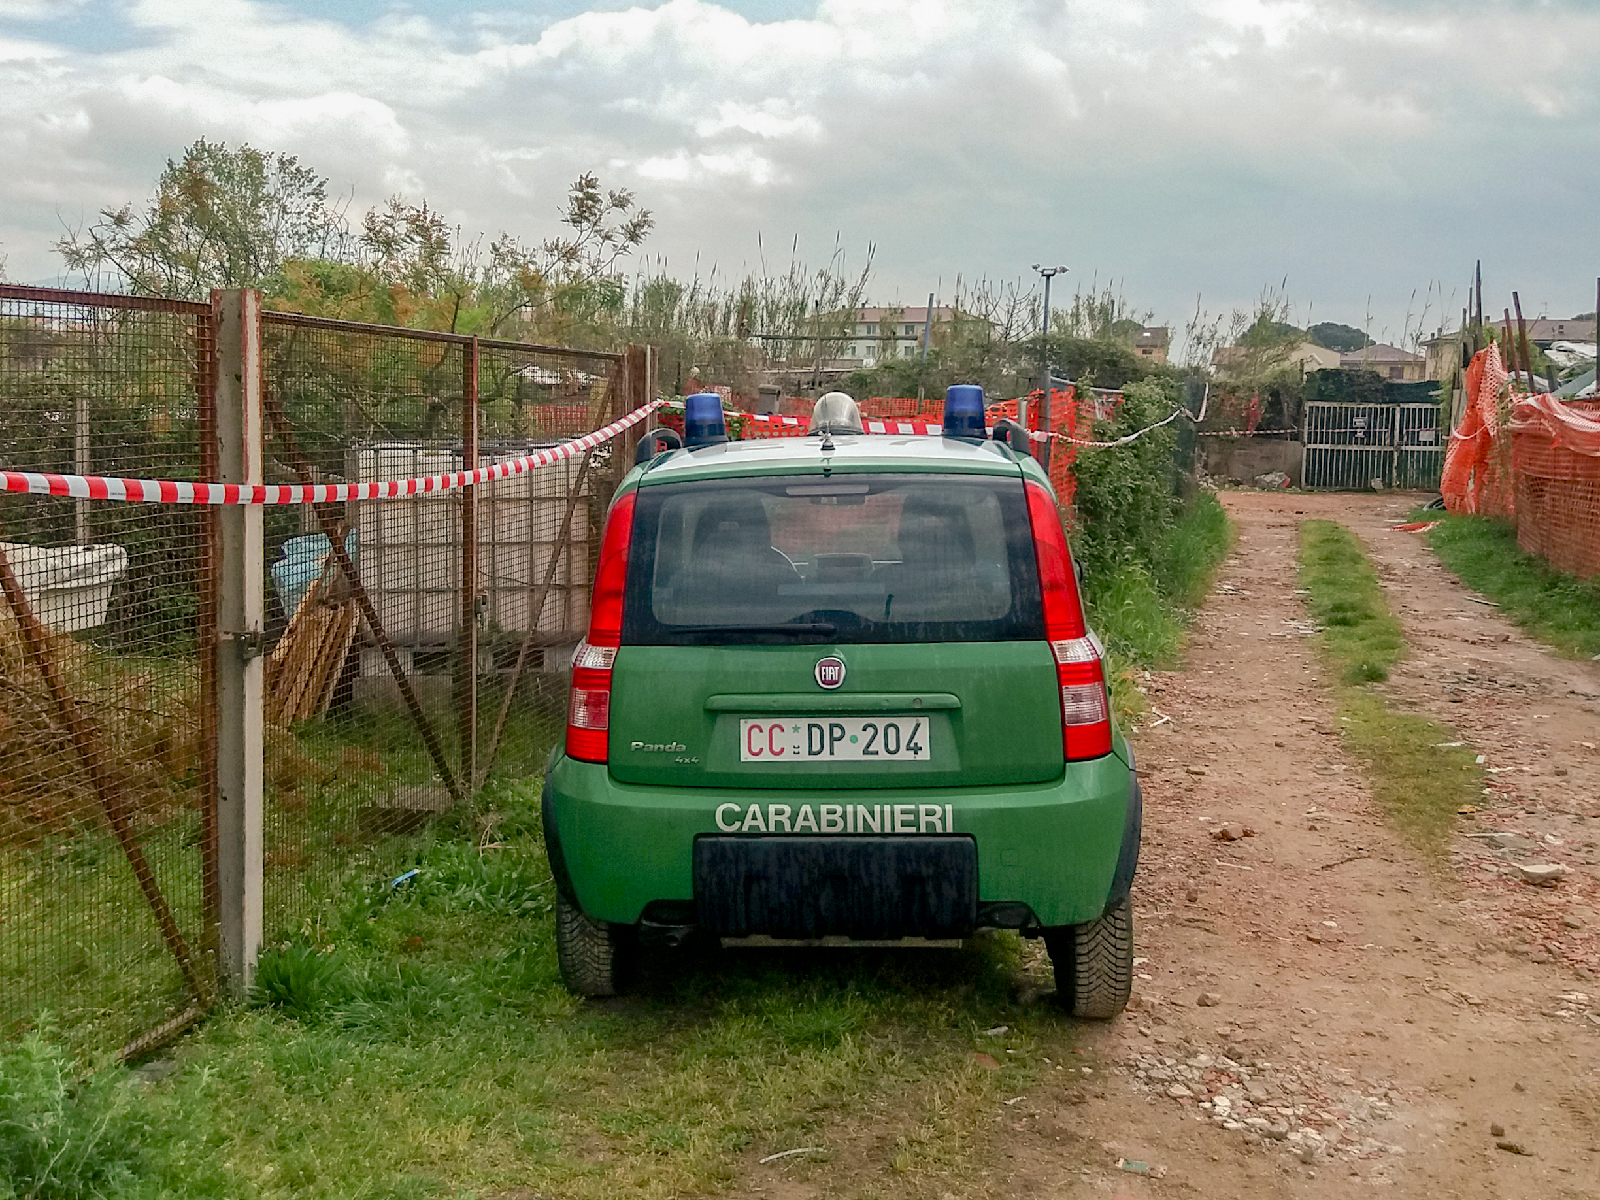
[
  {"x": 1094, "y": 962},
  {"x": 593, "y": 955}
]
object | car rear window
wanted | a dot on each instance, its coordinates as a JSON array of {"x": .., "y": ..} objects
[{"x": 857, "y": 558}]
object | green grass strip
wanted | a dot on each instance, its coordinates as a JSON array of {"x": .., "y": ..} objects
[
  {"x": 1418, "y": 778},
  {"x": 1361, "y": 639},
  {"x": 1559, "y": 610}
]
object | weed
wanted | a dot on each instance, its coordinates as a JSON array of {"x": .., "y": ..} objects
[
  {"x": 1140, "y": 607},
  {"x": 1124, "y": 498},
  {"x": 1418, "y": 777},
  {"x": 1555, "y": 608},
  {"x": 63, "y": 1137},
  {"x": 1186, "y": 557},
  {"x": 300, "y": 979}
]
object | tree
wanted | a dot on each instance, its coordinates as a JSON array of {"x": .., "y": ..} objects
[
  {"x": 1334, "y": 336},
  {"x": 244, "y": 217},
  {"x": 219, "y": 218},
  {"x": 572, "y": 280},
  {"x": 1267, "y": 333}
]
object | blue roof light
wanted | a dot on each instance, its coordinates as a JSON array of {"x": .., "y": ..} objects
[
  {"x": 703, "y": 423},
  {"x": 963, "y": 411}
]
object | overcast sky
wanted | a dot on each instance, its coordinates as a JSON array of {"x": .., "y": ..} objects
[{"x": 1212, "y": 147}]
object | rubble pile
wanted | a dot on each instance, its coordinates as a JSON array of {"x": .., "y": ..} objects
[{"x": 1311, "y": 1112}]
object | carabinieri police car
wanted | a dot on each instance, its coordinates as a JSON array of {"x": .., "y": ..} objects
[{"x": 840, "y": 689}]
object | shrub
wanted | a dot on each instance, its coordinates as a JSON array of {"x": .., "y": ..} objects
[
  {"x": 1125, "y": 499},
  {"x": 62, "y": 1137},
  {"x": 302, "y": 980}
]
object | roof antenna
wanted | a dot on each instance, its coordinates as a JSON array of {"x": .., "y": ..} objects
[{"x": 827, "y": 439}]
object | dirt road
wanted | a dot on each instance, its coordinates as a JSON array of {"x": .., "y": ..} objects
[{"x": 1370, "y": 1023}]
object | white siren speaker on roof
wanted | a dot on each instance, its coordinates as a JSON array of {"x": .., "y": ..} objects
[{"x": 835, "y": 412}]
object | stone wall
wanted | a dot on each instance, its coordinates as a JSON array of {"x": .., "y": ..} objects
[{"x": 1241, "y": 459}]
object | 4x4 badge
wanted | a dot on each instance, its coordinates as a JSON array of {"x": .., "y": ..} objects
[{"x": 830, "y": 672}]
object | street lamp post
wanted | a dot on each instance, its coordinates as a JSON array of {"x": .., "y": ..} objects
[{"x": 1049, "y": 273}]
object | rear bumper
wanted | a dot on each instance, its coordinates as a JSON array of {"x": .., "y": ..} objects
[{"x": 1057, "y": 848}]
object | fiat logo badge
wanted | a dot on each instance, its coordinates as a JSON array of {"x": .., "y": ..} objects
[{"x": 830, "y": 672}]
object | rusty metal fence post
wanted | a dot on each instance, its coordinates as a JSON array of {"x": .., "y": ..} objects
[
  {"x": 467, "y": 664},
  {"x": 240, "y": 746}
]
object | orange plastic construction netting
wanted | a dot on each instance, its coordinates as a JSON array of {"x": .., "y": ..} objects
[{"x": 1532, "y": 459}]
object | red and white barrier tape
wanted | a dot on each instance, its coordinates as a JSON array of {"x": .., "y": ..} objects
[
  {"x": 871, "y": 425},
  {"x": 170, "y": 491},
  {"x": 927, "y": 428},
  {"x": 1121, "y": 441}
]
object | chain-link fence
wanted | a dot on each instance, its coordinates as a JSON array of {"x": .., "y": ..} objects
[
  {"x": 413, "y": 649},
  {"x": 104, "y": 815}
]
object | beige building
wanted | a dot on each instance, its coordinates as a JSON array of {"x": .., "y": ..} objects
[
  {"x": 1389, "y": 361},
  {"x": 1233, "y": 361},
  {"x": 888, "y": 332},
  {"x": 1153, "y": 342},
  {"x": 1309, "y": 356},
  {"x": 1439, "y": 354},
  {"x": 1545, "y": 330}
]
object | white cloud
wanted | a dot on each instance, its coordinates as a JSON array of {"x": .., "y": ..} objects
[
  {"x": 743, "y": 165},
  {"x": 1360, "y": 145}
]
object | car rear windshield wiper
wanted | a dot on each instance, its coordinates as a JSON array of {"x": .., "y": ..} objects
[{"x": 804, "y": 627}]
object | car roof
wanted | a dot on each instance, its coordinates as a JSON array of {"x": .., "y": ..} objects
[{"x": 851, "y": 454}]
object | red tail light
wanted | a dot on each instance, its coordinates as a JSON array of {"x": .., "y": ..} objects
[
  {"x": 589, "y": 709},
  {"x": 1080, "y": 672}
]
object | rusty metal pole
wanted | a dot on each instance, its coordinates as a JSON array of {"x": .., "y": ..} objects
[
  {"x": 637, "y": 388},
  {"x": 1522, "y": 341},
  {"x": 240, "y": 668},
  {"x": 536, "y": 601},
  {"x": 467, "y": 650}
]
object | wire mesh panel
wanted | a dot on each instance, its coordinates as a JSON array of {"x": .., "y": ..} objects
[
  {"x": 1348, "y": 447},
  {"x": 415, "y": 647},
  {"x": 537, "y": 535},
  {"x": 360, "y": 606},
  {"x": 403, "y": 626},
  {"x": 1357, "y": 447},
  {"x": 105, "y": 629},
  {"x": 1419, "y": 447}
]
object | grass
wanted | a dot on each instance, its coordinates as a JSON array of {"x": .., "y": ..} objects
[
  {"x": 1558, "y": 609},
  {"x": 419, "y": 1043},
  {"x": 1141, "y": 609},
  {"x": 1361, "y": 638},
  {"x": 1419, "y": 778},
  {"x": 81, "y": 945}
]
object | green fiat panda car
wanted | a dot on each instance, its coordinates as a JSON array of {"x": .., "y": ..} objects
[{"x": 840, "y": 690}]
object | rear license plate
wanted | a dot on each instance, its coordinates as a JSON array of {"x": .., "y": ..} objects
[{"x": 802, "y": 739}]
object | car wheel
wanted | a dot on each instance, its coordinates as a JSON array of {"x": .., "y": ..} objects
[
  {"x": 1094, "y": 962},
  {"x": 594, "y": 955}
]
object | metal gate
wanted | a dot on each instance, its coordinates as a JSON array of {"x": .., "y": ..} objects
[{"x": 1361, "y": 447}]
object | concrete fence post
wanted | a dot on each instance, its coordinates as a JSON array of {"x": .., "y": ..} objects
[{"x": 240, "y": 668}]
